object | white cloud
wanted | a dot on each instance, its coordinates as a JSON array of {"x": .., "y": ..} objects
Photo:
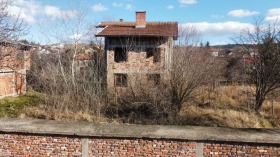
[
  {"x": 125, "y": 6},
  {"x": 99, "y": 7},
  {"x": 115, "y": 4},
  {"x": 273, "y": 14},
  {"x": 219, "y": 29},
  {"x": 170, "y": 7},
  {"x": 242, "y": 13},
  {"x": 275, "y": 11},
  {"x": 17, "y": 11},
  {"x": 186, "y": 2},
  {"x": 29, "y": 10},
  {"x": 129, "y": 7},
  {"x": 52, "y": 11},
  {"x": 273, "y": 18},
  {"x": 26, "y": 10},
  {"x": 56, "y": 12}
]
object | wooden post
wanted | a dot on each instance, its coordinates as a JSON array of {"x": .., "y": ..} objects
[{"x": 272, "y": 106}]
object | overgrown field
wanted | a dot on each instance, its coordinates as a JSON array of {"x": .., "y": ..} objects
[
  {"x": 232, "y": 106},
  {"x": 226, "y": 106}
]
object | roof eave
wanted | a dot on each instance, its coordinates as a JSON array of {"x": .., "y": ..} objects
[{"x": 123, "y": 35}]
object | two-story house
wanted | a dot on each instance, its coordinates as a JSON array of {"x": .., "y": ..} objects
[{"x": 137, "y": 51}]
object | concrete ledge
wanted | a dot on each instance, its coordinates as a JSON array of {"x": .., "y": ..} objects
[{"x": 109, "y": 130}]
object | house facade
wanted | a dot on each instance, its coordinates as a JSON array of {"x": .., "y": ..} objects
[
  {"x": 137, "y": 51},
  {"x": 14, "y": 63}
]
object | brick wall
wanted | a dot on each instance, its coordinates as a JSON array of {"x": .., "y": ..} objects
[
  {"x": 12, "y": 83},
  {"x": 221, "y": 149},
  {"x": 52, "y": 138},
  {"x": 53, "y": 145},
  {"x": 140, "y": 19},
  {"x": 7, "y": 84},
  {"x": 14, "y": 61},
  {"x": 33, "y": 145},
  {"x": 140, "y": 147}
]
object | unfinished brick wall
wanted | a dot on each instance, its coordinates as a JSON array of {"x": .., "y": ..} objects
[
  {"x": 7, "y": 84},
  {"x": 12, "y": 83},
  {"x": 13, "y": 57},
  {"x": 137, "y": 62},
  {"x": 14, "y": 62}
]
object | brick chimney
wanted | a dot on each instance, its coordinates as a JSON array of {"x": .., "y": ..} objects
[
  {"x": 140, "y": 19},
  {"x": 121, "y": 20}
]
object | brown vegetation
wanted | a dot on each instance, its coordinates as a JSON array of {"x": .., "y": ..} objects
[
  {"x": 192, "y": 96},
  {"x": 205, "y": 102},
  {"x": 63, "y": 99},
  {"x": 264, "y": 69}
]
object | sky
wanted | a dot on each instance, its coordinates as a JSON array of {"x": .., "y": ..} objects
[{"x": 216, "y": 21}]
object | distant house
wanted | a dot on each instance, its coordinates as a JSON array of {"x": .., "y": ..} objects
[
  {"x": 137, "y": 49},
  {"x": 84, "y": 60},
  {"x": 250, "y": 59},
  {"x": 14, "y": 63},
  {"x": 87, "y": 57},
  {"x": 221, "y": 53}
]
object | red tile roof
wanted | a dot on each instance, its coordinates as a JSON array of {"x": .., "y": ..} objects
[
  {"x": 84, "y": 57},
  {"x": 160, "y": 29}
]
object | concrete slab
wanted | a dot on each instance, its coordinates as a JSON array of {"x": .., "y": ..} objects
[{"x": 109, "y": 130}]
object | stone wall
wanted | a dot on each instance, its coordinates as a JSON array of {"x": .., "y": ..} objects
[
  {"x": 137, "y": 62},
  {"x": 52, "y": 138},
  {"x": 13, "y": 57}
]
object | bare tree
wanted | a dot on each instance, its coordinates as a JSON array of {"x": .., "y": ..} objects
[
  {"x": 262, "y": 43},
  {"x": 192, "y": 68},
  {"x": 69, "y": 28},
  {"x": 70, "y": 75},
  {"x": 11, "y": 27}
]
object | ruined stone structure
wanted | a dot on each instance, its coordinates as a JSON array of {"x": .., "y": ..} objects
[
  {"x": 137, "y": 51},
  {"x": 14, "y": 63}
]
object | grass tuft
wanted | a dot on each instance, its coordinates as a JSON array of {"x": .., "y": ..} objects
[{"x": 14, "y": 106}]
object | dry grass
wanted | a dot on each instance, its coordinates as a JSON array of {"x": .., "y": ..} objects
[
  {"x": 230, "y": 106},
  {"x": 36, "y": 107},
  {"x": 44, "y": 112},
  {"x": 228, "y": 97},
  {"x": 223, "y": 118}
]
